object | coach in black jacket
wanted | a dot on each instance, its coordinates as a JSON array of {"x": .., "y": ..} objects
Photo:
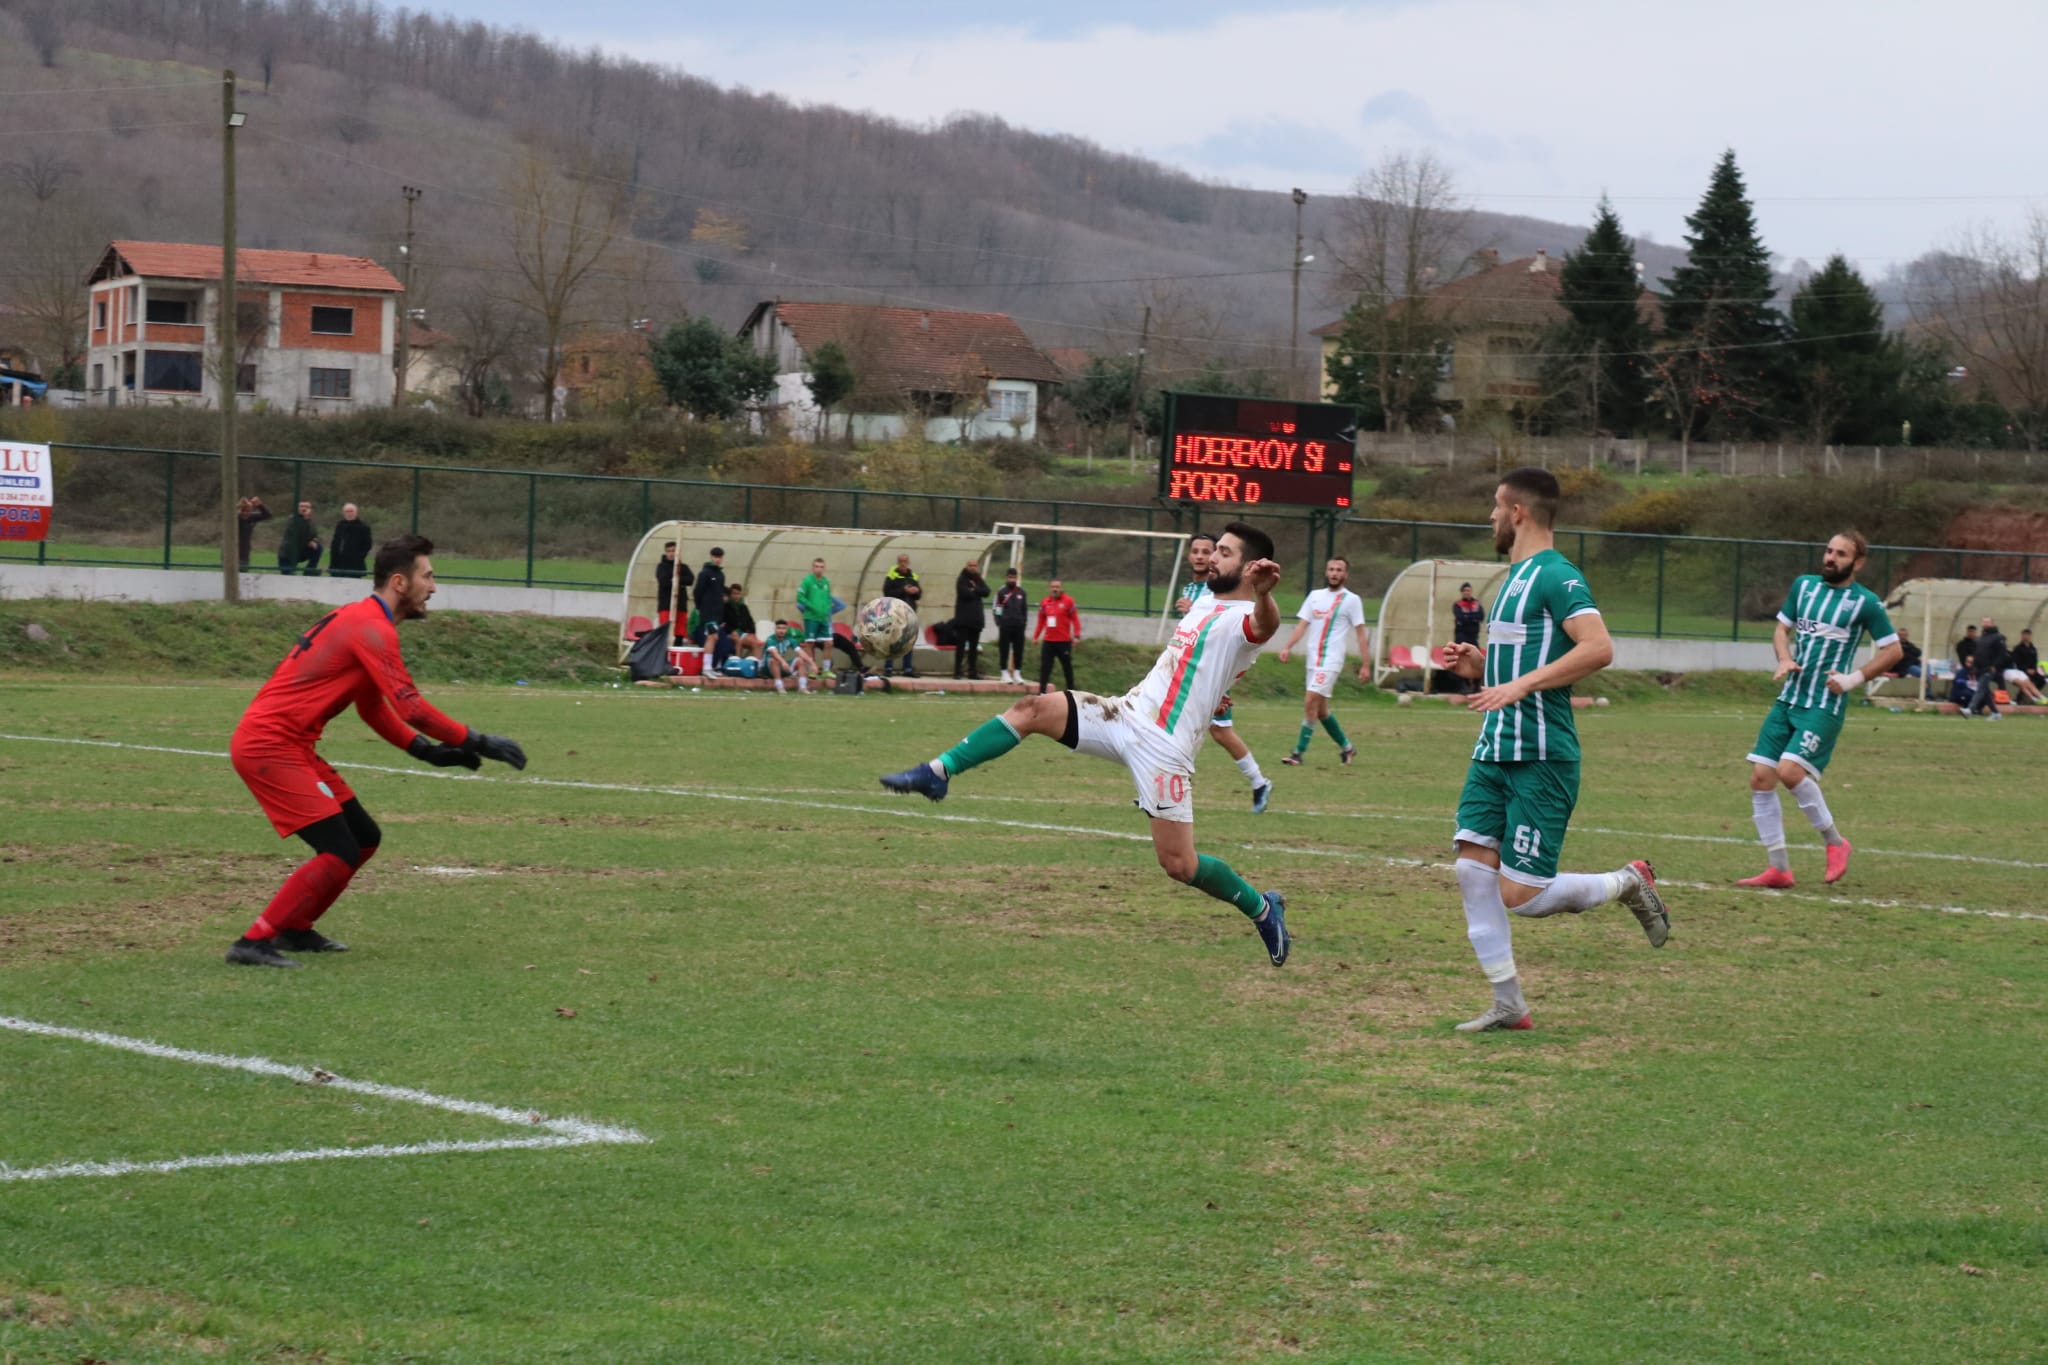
[
  {"x": 348, "y": 550},
  {"x": 710, "y": 594}
]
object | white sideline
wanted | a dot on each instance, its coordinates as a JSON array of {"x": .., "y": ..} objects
[
  {"x": 741, "y": 794},
  {"x": 908, "y": 811},
  {"x": 562, "y": 1132}
]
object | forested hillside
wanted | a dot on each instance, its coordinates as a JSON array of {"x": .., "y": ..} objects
[{"x": 720, "y": 197}]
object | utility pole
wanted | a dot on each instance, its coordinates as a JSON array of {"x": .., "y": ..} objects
[
  {"x": 229, "y": 338},
  {"x": 1137, "y": 385},
  {"x": 412, "y": 196},
  {"x": 1294, "y": 331}
]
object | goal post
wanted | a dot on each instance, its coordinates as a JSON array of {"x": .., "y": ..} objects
[{"x": 1014, "y": 532}]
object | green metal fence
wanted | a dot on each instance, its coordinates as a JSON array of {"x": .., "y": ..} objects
[{"x": 120, "y": 506}]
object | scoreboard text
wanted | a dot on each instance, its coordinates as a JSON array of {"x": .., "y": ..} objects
[{"x": 1257, "y": 450}]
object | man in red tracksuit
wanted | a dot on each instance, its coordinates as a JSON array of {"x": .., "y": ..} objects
[
  {"x": 350, "y": 657},
  {"x": 1059, "y": 625}
]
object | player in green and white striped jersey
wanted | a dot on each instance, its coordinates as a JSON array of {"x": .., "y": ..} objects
[
  {"x": 1223, "y": 729},
  {"x": 1822, "y": 622},
  {"x": 1545, "y": 635}
]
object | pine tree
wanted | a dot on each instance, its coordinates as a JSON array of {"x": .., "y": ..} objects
[
  {"x": 1847, "y": 373},
  {"x": 1724, "y": 371},
  {"x": 1599, "y": 372}
]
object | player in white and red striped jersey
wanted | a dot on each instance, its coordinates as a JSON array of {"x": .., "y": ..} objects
[{"x": 1156, "y": 729}]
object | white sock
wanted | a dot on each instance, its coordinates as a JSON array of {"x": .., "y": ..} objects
[
  {"x": 1575, "y": 891},
  {"x": 779, "y": 687},
  {"x": 1807, "y": 794},
  {"x": 1770, "y": 827},
  {"x": 1249, "y": 766},
  {"x": 803, "y": 684},
  {"x": 1486, "y": 920}
]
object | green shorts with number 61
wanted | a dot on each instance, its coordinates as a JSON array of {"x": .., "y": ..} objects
[
  {"x": 1804, "y": 734},
  {"x": 1520, "y": 809}
]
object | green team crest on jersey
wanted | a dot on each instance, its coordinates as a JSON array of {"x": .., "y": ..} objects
[{"x": 1526, "y": 632}]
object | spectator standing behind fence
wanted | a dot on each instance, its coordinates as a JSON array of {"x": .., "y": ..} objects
[
  {"x": 299, "y": 550},
  {"x": 1059, "y": 626},
  {"x": 901, "y": 583},
  {"x": 1013, "y": 607},
  {"x": 1990, "y": 655},
  {"x": 710, "y": 596},
  {"x": 970, "y": 618},
  {"x": 348, "y": 553},
  {"x": 248, "y": 512}
]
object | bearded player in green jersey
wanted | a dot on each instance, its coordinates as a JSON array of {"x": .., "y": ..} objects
[
  {"x": 1828, "y": 613},
  {"x": 1545, "y": 634}
]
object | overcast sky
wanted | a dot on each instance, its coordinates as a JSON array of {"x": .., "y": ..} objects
[{"x": 1878, "y": 128}]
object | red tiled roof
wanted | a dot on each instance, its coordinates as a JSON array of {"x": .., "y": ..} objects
[
  {"x": 919, "y": 349},
  {"x": 186, "y": 261}
]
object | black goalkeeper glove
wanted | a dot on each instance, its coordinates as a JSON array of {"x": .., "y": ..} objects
[
  {"x": 495, "y": 747},
  {"x": 442, "y": 755}
]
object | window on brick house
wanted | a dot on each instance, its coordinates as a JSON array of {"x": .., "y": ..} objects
[
  {"x": 99, "y": 315},
  {"x": 334, "y": 322},
  {"x": 245, "y": 377},
  {"x": 172, "y": 310},
  {"x": 172, "y": 371},
  {"x": 330, "y": 383}
]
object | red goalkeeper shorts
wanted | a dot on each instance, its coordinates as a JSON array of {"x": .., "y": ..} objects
[{"x": 295, "y": 786}]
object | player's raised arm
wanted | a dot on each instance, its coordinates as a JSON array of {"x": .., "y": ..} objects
[{"x": 1263, "y": 575}]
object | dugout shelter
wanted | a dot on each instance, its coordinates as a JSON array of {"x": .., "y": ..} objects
[
  {"x": 1415, "y": 615},
  {"x": 1935, "y": 610},
  {"x": 771, "y": 560}
]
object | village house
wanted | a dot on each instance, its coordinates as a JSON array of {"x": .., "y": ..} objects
[
  {"x": 946, "y": 376},
  {"x": 1498, "y": 317},
  {"x": 314, "y": 330}
]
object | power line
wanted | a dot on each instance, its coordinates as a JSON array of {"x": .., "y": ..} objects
[{"x": 102, "y": 89}]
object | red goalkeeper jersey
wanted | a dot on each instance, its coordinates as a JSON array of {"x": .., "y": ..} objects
[{"x": 349, "y": 657}]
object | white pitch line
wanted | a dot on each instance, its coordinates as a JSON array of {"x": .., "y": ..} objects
[
  {"x": 227, "y": 1159},
  {"x": 906, "y": 811},
  {"x": 561, "y": 1132},
  {"x": 739, "y": 793}
]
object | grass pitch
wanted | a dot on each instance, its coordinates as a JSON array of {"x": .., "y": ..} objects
[{"x": 975, "y": 1082}]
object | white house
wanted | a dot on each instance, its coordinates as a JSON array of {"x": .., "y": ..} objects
[
  {"x": 951, "y": 376},
  {"x": 315, "y": 329}
]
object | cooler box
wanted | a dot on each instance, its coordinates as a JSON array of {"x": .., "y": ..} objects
[{"x": 688, "y": 659}]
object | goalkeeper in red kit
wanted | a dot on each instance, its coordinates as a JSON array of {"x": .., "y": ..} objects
[{"x": 349, "y": 657}]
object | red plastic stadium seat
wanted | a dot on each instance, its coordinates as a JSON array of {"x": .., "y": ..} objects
[
  {"x": 637, "y": 626},
  {"x": 1406, "y": 656},
  {"x": 931, "y": 637}
]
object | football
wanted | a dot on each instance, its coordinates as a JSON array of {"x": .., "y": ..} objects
[{"x": 887, "y": 627}]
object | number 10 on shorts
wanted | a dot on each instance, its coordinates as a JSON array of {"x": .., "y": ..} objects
[{"x": 1169, "y": 789}]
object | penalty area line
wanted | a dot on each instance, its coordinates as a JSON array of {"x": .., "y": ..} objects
[{"x": 556, "y": 1132}]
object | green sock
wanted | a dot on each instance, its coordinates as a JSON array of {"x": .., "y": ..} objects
[
  {"x": 1308, "y": 732},
  {"x": 1333, "y": 730},
  {"x": 991, "y": 739},
  {"x": 1215, "y": 876}
]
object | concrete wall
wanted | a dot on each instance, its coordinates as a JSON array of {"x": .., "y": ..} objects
[{"x": 185, "y": 585}]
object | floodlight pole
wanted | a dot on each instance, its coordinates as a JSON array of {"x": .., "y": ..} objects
[{"x": 229, "y": 339}]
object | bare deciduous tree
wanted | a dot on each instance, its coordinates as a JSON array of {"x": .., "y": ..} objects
[
  {"x": 492, "y": 336},
  {"x": 562, "y": 229},
  {"x": 1987, "y": 301},
  {"x": 56, "y": 242},
  {"x": 1403, "y": 231},
  {"x": 42, "y": 174}
]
